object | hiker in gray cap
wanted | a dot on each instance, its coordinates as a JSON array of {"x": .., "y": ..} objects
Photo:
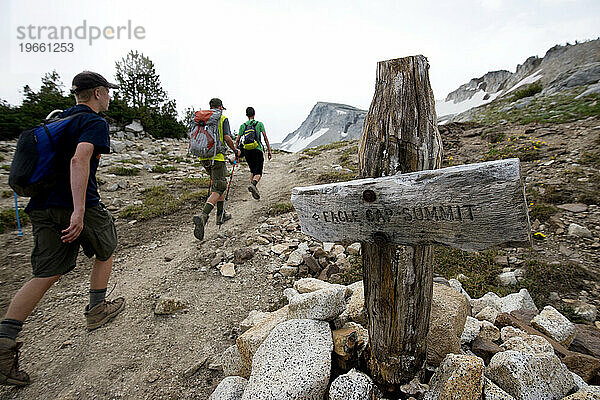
[
  {"x": 68, "y": 216},
  {"x": 217, "y": 170}
]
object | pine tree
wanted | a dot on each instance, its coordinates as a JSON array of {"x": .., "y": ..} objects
[{"x": 140, "y": 84}]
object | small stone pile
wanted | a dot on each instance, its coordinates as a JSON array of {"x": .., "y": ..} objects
[{"x": 492, "y": 348}]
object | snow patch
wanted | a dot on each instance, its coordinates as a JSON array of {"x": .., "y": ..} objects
[
  {"x": 527, "y": 80},
  {"x": 297, "y": 143},
  {"x": 443, "y": 108}
]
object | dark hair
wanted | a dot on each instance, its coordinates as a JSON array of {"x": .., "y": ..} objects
[{"x": 250, "y": 112}]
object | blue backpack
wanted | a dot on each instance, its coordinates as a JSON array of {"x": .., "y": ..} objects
[{"x": 32, "y": 170}]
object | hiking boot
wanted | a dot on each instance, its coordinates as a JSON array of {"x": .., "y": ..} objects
[
  {"x": 199, "y": 222},
  {"x": 252, "y": 189},
  {"x": 223, "y": 218},
  {"x": 101, "y": 313},
  {"x": 9, "y": 364}
]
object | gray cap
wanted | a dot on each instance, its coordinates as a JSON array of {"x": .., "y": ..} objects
[
  {"x": 88, "y": 79},
  {"x": 216, "y": 103}
]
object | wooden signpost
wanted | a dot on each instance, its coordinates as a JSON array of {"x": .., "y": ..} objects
[
  {"x": 398, "y": 217},
  {"x": 470, "y": 207}
]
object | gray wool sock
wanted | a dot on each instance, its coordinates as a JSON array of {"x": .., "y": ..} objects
[
  {"x": 97, "y": 296},
  {"x": 10, "y": 328}
]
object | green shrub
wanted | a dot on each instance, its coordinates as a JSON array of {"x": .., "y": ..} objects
[
  {"x": 123, "y": 171},
  {"x": 336, "y": 176},
  {"x": 479, "y": 268},
  {"x": 281, "y": 208},
  {"x": 8, "y": 219},
  {"x": 158, "y": 201},
  {"x": 196, "y": 182},
  {"x": 542, "y": 211},
  {"x": 541, "y": 278},
  {"x": 527, "y": 91},
  {"x": 162, "y": 169}
]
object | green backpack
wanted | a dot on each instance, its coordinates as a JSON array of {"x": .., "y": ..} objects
[{"x": 250, "y": 136}]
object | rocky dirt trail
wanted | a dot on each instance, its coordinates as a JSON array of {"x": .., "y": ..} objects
[{"x": 142, "y": 355}]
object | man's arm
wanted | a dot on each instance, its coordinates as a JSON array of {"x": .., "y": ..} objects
[
  {"x": 80, "y": 172},
  {"x": 268, "y": 145},
  {"x": 232, "y": 146},
  {"x": 239, "y": 135}
]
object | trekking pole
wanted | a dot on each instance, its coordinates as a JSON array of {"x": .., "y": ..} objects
[
  {"x": 227, "y": 194},
  {"x": 20, "y": 232}
]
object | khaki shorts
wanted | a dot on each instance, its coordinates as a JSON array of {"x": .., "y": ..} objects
[
  {"x": 50, "y": 256},
  {"x": 218, "y": 175}
]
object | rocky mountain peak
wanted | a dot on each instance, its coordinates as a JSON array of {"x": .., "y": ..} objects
[
  {"x": 562, "y": 67},
  {"x": 326, "y": 123}
]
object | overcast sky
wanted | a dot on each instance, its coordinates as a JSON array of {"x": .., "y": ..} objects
[{"x": 283, "y": 56}]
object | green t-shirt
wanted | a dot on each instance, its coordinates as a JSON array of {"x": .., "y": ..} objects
[{"x": 260, "y": 129}]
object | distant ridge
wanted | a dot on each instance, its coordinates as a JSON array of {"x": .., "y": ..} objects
[
  {"x": 326, "y": 123},
  {"x": 562, "y": 67}
]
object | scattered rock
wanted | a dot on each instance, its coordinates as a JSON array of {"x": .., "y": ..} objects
[
  {"x": 489, "y": 331},
  {"x": 587, "y": 340},
  {"x": 249, "y": 341},
  {"x": 471, "y": 330},
  {"x": 492, "y": 392},
  {"x": 485, "y": 349},
  {"x": 243, "y": 254},
  {"x": 507, "y": 278},
  {"x": 573, "y": 207},
  {"x": 530, "y": 376},
  {"x": 520, "y": 302},
  {"x": 288, "y": 270},
  {"x": 307, "y": 285},
  {"x": 168, "y": 305},
  {"x": 230, "y": 388},
  {"x": 488, "y": 314},
  {"x": 348, "y": 344},
  {"x": 191, "y": 371},
  {"x": 313, "y": 265},
  {"x": 414, "y": 388},
  {"x": 255, "y": 317},
  {"x": 529, "y": 344},
  {"x": 228, "y": 270},
  {"x": 580, "y": 231},
  {"x": 324, "y": 304},
  {"x": 294, "y": 362},
  {"x": 233, "y": 364},
  {"x": 554, "y": 324},
  {"x": 353, "y": 385},
  {"x": 449, "y": 310},
  {"x": 356, "y": 304},
  {"x": 586, "y": 311},
  {"x": 587, "y": 367},
  {"x": 458, "y": 376},
  {"x": 354, "y": 249},
  {"x": 279, "y": 248},
  {"x": 501, "y": 260}
]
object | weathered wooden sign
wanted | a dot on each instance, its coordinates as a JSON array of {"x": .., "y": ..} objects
[{"x": 471, "y": 207}]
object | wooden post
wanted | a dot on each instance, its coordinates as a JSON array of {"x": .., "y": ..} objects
[
  {"x": 402, "y": 206},
  {"x": 399, "y": 135}
]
